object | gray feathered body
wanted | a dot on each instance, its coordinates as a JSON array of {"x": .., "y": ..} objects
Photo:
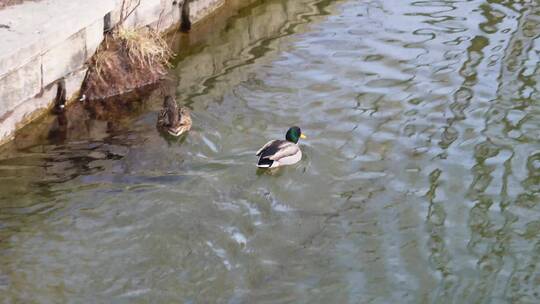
[{"x": 277, "y": 153}]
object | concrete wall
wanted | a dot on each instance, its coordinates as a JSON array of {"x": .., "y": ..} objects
[{"x": 51, "y": 40}]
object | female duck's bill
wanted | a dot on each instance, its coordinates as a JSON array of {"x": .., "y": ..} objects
[{"x": 278, "y": 152}]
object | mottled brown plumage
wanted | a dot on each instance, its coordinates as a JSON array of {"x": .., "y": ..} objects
[{"x": 173, "y": 119}]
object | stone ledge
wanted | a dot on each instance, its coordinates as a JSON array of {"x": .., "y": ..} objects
[
  {"x": 35, "y": 27},
  {"x": 31, "y": 108},
  {"x": 200, "y": 9},
  {"x": 25, "y": 112},
  {"x": 20, "y": 85},
  {"x": 64, "y": 58}
]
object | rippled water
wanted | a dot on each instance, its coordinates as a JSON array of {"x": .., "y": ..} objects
[{"x": 420, "y": 181}]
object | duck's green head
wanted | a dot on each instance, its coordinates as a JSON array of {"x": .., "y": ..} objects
[{"x": 294, "y": 134}]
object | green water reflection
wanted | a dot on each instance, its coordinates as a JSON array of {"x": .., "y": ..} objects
[{"x": 420, "y": 181}]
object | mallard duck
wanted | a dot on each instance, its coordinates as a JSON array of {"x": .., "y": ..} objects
[
  {"x": 173, "y": 119},
  {"x": 278, "y": 152}
]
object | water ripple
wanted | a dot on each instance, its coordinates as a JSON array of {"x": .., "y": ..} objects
[{"x": 419, "y": 182}]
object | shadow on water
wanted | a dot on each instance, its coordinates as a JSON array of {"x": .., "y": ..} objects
[{"x": 419, "y": 183}]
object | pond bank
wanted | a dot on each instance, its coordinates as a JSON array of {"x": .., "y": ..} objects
[{"x": 41, "y": 51}]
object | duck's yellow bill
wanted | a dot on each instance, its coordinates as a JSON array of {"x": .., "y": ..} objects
[{"x": 303, "y": 136}]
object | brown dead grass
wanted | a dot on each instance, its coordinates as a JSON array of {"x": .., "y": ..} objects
[{"x": 127, "y": 59}]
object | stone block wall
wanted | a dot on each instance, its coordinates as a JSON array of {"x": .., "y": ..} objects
[
  {"x": 45, "y": 41},
  {"x": 51, "y": 40}
]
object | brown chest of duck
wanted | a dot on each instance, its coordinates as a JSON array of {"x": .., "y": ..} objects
[{"x": 173, "y": 119}]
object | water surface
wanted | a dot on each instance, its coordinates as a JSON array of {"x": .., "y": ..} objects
[{"x": 420, "y": 181}]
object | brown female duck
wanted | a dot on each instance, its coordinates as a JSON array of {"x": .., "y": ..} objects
[{"x": 173, "y": 119}]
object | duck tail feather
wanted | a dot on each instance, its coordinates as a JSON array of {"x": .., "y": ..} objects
[{"x": 265, "y": 163}]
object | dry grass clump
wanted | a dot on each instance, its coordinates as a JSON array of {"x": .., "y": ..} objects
[
  {"x": 127, "y": 59},
  {"x": 144, "y": 45}
]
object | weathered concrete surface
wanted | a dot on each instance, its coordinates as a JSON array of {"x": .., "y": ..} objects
[
  {"x": 162, "y": 14},
  {"x": 64, "y": 58},
  {"x": 200, "y": 9},
  {"x": 43, "y": 42},
  {"x": 35, "y": 27},
  {"x": 23, "y": 113},
  {"x": 20, "y": 84}
]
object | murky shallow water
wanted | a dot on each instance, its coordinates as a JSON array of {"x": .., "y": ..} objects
[{"x": 419, "y": 183}]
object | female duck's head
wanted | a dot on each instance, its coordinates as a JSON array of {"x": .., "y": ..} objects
[
  {"x": 169, "y": 103},
  {"x": 294, "y": 134}
]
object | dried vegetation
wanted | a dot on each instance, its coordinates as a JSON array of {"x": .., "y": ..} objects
[{"x": 127, "y": 59}]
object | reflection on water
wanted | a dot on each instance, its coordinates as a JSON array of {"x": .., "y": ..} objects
[{"x": 420, "y": 181}]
